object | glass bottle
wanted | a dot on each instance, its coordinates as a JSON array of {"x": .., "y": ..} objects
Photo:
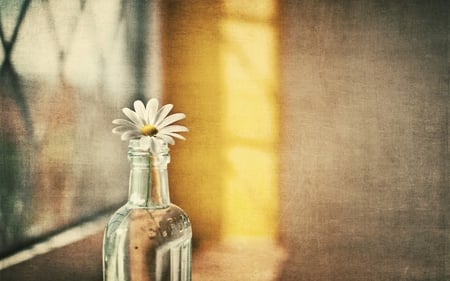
[{"x": 148, "y": 239}]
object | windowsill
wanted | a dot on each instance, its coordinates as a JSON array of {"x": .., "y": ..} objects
[
  {"x": 238, "y": 260},
  {"x": 243, "y": 259}
]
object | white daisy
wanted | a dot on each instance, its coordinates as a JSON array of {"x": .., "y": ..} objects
[{"x": 148, "y": 123}]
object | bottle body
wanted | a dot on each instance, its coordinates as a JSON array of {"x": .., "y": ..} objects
[
  {"x": 145, "y": 244},
  {"x": 149, "y": 238}
]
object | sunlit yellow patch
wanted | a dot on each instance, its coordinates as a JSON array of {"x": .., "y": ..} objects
[
  {"x": 250, "y": 83},
  {"x": 149, "y": 130},
  {"x": 242, "y": 153}
]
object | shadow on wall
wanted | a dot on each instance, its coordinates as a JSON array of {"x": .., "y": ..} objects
[
  {"x": 59, "y": 90},
  {"x": 15, "y": 169}
]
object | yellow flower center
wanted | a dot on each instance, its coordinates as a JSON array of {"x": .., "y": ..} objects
[{"x": 149, "y": 130}]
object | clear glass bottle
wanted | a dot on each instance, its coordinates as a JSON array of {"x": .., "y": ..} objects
[{"x": 148, "y": 239}]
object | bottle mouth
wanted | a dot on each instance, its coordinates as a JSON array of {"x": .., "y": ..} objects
[{"x": 158, "y": 150}]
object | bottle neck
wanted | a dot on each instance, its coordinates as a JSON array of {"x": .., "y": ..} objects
[{"x": 149, "y": 183}]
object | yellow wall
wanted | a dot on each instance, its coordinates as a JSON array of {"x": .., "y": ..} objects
[{"x": 221, "y": 70}]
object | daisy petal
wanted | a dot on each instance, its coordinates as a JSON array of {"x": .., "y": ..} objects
[
  {"x": 123, "y": 122},
  {"x": 139, "y": 108},
  {"x": 175, "y": 135},
  {"x": 122, "y": 129},
  {"x": 133, "y": 116},
  {"x": 145, "y": 142},
  {"x": 171, "y": 119},
  {"x": 172, "y": 129},
  {"x": 130, "y": 135},
  {"x": 167, "y": 139},
  {"x": 153, "y": 146},
  {"x": 162, "y": 113},
  {"x": 151, "y": 110}
]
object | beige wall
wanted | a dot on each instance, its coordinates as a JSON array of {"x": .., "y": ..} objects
[{"x": 365, "y": 146}]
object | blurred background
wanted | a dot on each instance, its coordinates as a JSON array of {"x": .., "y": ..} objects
[{"x": 318, "y": 145}]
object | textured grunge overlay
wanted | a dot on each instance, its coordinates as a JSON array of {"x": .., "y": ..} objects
[{"x": 318, "y": 146}]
